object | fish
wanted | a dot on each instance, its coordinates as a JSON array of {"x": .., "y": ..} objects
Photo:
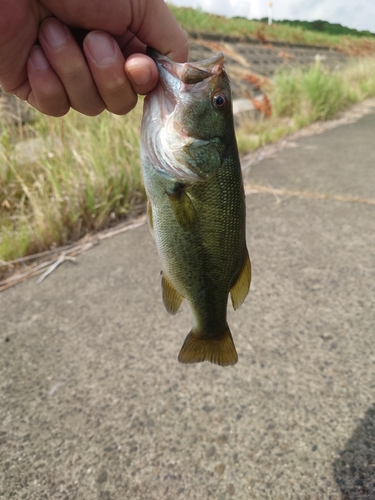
[{"x": 196, "y": 200}]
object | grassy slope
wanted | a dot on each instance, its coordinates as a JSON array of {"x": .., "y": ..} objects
[
  {"x": 88, "y": 175},
  {"x": 85, "y": 178},
  {"x": 302, "y": 96},
  {"x": 325, "y": 27},
  {"x": 197, "y": 20}
]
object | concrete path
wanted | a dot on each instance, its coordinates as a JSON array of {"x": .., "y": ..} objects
[{"x": 94, "y": 405}]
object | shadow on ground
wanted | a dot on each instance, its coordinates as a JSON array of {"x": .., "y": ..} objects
[{"x": 354, "y": 470}]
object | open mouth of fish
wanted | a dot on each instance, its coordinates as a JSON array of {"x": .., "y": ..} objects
[
  {"x": 171, "y": 138},
  {"x": 176, "y": 78}
]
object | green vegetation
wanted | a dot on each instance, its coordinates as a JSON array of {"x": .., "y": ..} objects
[
  {"x": 324, "y": 27},
  {"x": 199, "y": 21},
  {"x": 302, "y": 96},
  {"x": 309, "y": 95},
  {"x": 74, "y": 175}
]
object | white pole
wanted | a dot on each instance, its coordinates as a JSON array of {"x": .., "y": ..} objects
[{"x": 270, "y": 13}]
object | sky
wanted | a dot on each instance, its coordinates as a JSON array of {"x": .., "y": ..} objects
[{"x": 358, "y": 14}]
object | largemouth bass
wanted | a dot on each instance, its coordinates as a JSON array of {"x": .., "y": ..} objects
[{"x": 196, "y": 200}]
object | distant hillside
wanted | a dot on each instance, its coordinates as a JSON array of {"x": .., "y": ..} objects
[
  {"x": 321, "y": 33},
  {"x": 323, "y": 27}
]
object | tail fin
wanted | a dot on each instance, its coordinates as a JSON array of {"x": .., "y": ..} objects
[{"x": 198, "y": 347}]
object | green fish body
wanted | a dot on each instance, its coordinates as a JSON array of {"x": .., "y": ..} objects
[{"x": 196, "y": 200}]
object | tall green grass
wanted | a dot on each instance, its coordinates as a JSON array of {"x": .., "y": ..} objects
[
  {"x": 73, "y": 175},
  {"x": 302, "y": 96},
  {"x": 314, "y": 94},
  {"x": 317, "y": 94}
]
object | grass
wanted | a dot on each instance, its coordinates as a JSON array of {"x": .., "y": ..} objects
[
  {"x": 86, "y": 176},
  {"x": 302, "y": 96},
  {"x": 325, "y": 27},
  {"x": 199, "y": 21}
]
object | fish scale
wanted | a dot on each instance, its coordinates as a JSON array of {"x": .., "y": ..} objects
[{"x": 196, "y": 211}]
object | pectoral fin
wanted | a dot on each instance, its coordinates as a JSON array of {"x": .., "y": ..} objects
[
  {"x": 171, "y": 298},
  {"x": 241, "y": 287},
  {"x": 182, "y": 206}
]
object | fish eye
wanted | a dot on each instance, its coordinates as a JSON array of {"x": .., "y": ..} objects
[{"x": 220, "y": 100}]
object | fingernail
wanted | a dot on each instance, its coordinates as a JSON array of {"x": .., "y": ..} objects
[
  {"x": 38, "y": 59},
  {"x": 54, "y": 33},
  {"x": 101, "y": 47},
  {"x": 139, "y": 73}
]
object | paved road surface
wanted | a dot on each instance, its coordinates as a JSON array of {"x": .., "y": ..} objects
[{"x": 94, "y": 405}]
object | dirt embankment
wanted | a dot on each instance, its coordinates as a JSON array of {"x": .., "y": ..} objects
[{"x": 250, "y": 63}]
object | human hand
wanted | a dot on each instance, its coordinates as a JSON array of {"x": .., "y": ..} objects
[{"x": 110, "y": 68}]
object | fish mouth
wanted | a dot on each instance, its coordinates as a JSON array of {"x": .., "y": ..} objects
[
  {"x": 166, "y": 129},
  {"x": 176, "y": 78},
  {"x": 186, "y": 72}
]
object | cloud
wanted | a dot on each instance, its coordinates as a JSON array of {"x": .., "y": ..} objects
[{"x": 229, "y": 8}]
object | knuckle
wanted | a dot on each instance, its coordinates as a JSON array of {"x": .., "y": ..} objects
[
  {"x": 72, "y": 74},
  {"x": 52, "y": 102},
  {"x": 89, "y": 108},
  {"x": 60, "y": 112},
  {"x": 93, "y": 111},
  {"x": 115, "y": 84},
  {"x": 122, "y": 108},
  {"x": 51, "y": 109}
]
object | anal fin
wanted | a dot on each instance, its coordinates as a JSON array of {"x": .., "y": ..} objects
[
  {"x": 198, "y": 347},
  {"x": 171, "y": 297},
  {"x": 241, "y": 287}
]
